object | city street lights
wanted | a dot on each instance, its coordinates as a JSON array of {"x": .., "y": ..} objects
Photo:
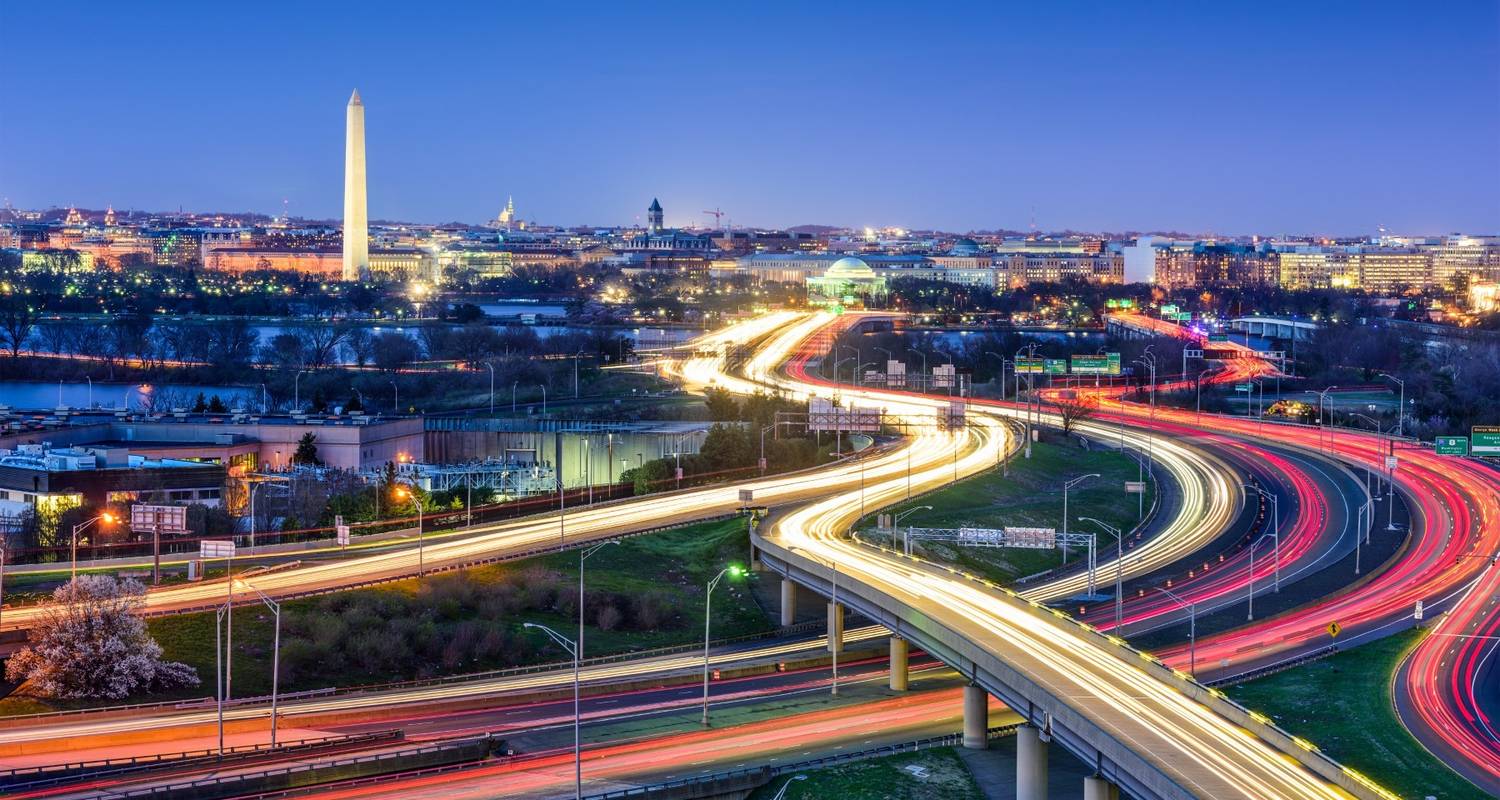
[
  {"x": 583, "y": 556},
  {"x": 297, "y": 390},
  {"x": 1250, "y": 601},
  {"x": 1192, "y": 629},
  {"x": 253, "y": 488},
  {"x": 1275, "y": 532},
  {"x": 572, "y": 649},
  {"x": 896, "y": 526},
  {"x": 544, "y": 398},
  {"x": 403, "y": 493},
  {"x": 1119, "y": 566},
  {"x": 576, "y": 356},
  {"x": 275, "y": 607},
  {"x": 106, "y": 519},
  {"x": 492, "y": 387},
  {"x": 1400, "y": 412},
  {"x": 733, "y": 571},
  {"x": 396, "y": 402},
  {"x": 1322, "y": 396},
  {"x": 923, "y": 356},
  {"x": 1066, "y": 486}
]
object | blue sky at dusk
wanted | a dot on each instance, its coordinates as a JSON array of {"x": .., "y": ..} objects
[{"x": 1202, "y": 117}]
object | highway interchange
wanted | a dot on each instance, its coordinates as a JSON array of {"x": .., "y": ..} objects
[{"x": 1440, "y": 691}]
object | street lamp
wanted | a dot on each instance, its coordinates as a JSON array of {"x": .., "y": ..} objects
[
  {"x": 1192, "y": 629},
  {"x": 1400, "y": 412},
  {"x": 492, "y": 387},
  {"x": 403, "y": 493},
  {"x": 583, "y": 556},
  {"x": 1119, "y": 566},
  {"x": 924, "y": 360},
  {"x": 896, "y": 526},
  {"x": 297, "y": 390},
  {"x": 1276, "y": 534},
  {"x": 572, "y": 649},
  {"x": 105, "y": 518},
  {"x": 396, "y": 390},
  {"x": 544, "y": 398},
  {"x": 733, "y": 571},
  {"x": 275, "y": 607},
  {"x": 1066, "y": 486}
]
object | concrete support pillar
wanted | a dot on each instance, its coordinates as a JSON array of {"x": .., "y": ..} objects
[
  {"x": 1031, "y": 764},
  {"x": 788, "y": 602},
  {"x": 835, "y": 628},
  {"x": 1097, "y": 788},
  {"x": 899, "y": 673},
  {"x": 976, "y": 718}
]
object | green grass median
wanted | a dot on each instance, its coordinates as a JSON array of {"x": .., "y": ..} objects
[{"x": 1343, "y": 705}]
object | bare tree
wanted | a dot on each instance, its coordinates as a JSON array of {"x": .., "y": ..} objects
[
  {"x": 1075, "y": 409},
  {"x": 320, "y": 343},
  {"x": 17, "y": 319}
]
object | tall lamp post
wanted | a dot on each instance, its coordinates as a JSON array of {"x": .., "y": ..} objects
[
  {"x": 492, "y": 387},
  {"x": 404, "y": 493},
  {"x": 1119, "y": 566},
  {"x": 1192, "y": 629},
  {"x": 896, "y": 527},
  {"x": 1066, "y": 486},
  {"x": 1276, "y": 534},
  {"x": 733, "y": 571},
  {"x": 105, "y": 519},
  {"x": 297, "y": 390},
  {"x": 572, "y": 649},
  {"x": 275, "y": 607},
  {"x": 1400, "y": 412}
]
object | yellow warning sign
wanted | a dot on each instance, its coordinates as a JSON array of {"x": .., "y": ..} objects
[{"x": 1334, "y": 628}]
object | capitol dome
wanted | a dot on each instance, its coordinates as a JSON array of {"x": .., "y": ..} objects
[{"x": 850, "y": 267}]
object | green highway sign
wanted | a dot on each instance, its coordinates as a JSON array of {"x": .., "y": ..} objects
[
  {"x": 1030, "y": 366},
  {"x": 1452, "y": 445},
  {"x": 1090, "y": 365},
  {"x": 1055, "y": 366},
  {"x": 1114, "y": 363},
  {"x": 1122, "y": 303},
  {"x": 1168, "y": 310},
  {"x": 1485, "y": 440},
  {"x": 1218, "y": 337},
  {"x": 1244, "y": 387},
  {"x": 1184, "y": 316}
]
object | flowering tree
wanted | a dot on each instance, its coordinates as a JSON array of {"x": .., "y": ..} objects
[{"x": 92, "y": 642}]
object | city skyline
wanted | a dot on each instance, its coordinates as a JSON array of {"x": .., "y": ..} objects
[{"x": 775, "y": 130}]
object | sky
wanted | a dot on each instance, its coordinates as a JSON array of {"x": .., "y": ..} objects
[{"x": 1332, "y": 118}]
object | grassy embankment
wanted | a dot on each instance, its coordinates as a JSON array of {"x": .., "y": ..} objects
[
  {"x": 643, "y": 593},
  {"x": 927, "y": 775},
  {"x": 1031, "y": 496},
  {"x": 1343, "y": 705}
]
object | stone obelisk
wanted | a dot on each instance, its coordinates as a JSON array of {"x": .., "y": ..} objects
[{"x": 356, "y": 214}]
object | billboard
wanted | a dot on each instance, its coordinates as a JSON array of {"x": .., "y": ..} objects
[
  {"x": 895, "y": 373},
  {"x": 823, "y": 415},
  {"x": 1485, "y": 440},
  {"x": 160, "y": 519}
]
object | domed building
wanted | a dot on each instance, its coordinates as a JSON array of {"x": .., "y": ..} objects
[
  {"x": 848, "y": 281},
  {"x": 964, "y": 247}
]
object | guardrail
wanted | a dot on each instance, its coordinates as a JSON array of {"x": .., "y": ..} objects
[
  {"x": 553, "y": 666},
  {"x": 302, "y": 775},
  {"x": 30, "y": 778}
]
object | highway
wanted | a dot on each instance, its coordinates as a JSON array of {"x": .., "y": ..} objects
[{"x": 884, "y": 477}]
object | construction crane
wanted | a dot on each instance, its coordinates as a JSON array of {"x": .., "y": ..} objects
[{"x": 717, "y": 215}]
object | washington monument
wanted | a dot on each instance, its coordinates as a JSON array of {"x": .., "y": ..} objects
[{"x": 356, "y": 214}]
